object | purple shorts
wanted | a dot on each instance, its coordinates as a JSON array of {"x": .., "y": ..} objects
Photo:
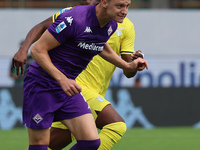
[{"x": 45, "y": 102}]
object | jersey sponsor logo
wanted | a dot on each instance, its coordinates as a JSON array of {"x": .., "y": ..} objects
[
  {"x": 119, "y": 31},
  {"x": 60, "y": 27},
  {"x": 92, "y": 46},
  {"x": 110, "y": 31},
  {"x": 88, "y": 30},
  {"x": 37, "y": 118},
  {"x": 69, "y": 20}
]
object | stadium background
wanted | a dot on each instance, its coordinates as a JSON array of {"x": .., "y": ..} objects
[{"x": 167, "y": 32}]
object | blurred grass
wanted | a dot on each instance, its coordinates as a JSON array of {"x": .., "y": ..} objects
[{"x": 179, "y": 138}]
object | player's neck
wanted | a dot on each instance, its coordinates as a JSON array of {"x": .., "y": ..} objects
[{"x": 102, "y": 16}]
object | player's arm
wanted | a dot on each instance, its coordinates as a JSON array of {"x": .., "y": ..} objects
[
  {"x": 129, "y": 58},
  {"x": 39, "y": 52},
  {"x": 33, "y": 35},
  {"x": 127, "y": 45},
  {"x": 135, "y": 65}
]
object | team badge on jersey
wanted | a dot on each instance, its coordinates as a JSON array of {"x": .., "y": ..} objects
[
  {"x": 119, "y": 31},
  {"x": 37, "y": 118},
  {"x": 60, "y": 27},
  {"x": 110, "y": 31}
]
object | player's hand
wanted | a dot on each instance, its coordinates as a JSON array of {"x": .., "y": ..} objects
[
  {"x": 70, "y": 87},
  {"x": 141, "y": 64},
  {"x": 18, "y": 61},
  {"x": 137, "y": 54},
  {"x": 138, "y": 64}
]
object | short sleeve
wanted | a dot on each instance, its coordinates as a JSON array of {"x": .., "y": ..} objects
[
  {"x": 127, "y": 44},
  {"x": 63, "y": 28}
]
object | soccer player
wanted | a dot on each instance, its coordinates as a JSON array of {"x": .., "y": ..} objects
[
  {"x": 94, "y": 86},
  {"x": 94, "y": 82},
  {"x": 61, "y": 54}
]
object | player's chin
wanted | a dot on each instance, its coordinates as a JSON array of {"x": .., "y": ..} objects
[{"x": 119, "y": 19}]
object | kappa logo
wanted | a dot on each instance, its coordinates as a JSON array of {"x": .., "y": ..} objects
[
  {"x": 110, "y": 31},
  {"x": 88, "y": 30},
  {"x": 69, "y": 20},
  {"x": 60, "y": 27},
  {"x": 37, "y": 118}
]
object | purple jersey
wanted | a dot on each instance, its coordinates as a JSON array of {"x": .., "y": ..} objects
[{"x": 81, "y": 38}]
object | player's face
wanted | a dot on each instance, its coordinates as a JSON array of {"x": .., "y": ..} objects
[{"x": 118, "y": 9}]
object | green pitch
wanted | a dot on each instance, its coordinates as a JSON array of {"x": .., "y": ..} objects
[{"x": 134, "y": 139}]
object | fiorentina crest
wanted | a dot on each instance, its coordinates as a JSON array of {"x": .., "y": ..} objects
[
  {"x": 37, "y": 118},
  {"x": 110, "y": 31}
]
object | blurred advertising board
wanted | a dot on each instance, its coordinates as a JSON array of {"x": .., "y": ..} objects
[
  {"x": 164, "y": 71},
  {"x": 140, "y": 107}
]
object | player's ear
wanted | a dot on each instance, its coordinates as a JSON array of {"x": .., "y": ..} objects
[{"x": 104, "y": 3}]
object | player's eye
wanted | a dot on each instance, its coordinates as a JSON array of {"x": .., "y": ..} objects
[
  {"x": 119, "y": 6},
  {"x": 127, "y": 6}
]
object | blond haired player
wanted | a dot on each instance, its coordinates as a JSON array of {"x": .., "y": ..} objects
[{"x": 94, "y": 82}]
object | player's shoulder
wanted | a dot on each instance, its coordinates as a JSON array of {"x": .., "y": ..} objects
[
  {"x": 82, "y": 10},
  {"x": 79, "y": 13},
  {"x": 64, "y": 10},
  {"x": 75, "y": 11},
  {"x": 55, "y": 16},
  {"x": 74, "y": 18},
  {"x": 127, "y": 23}
]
